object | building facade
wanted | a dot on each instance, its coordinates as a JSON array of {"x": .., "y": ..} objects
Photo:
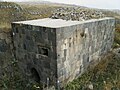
[{"x": 53, "y": 51}]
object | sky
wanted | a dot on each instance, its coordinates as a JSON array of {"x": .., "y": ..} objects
[{"x": 103, "y": 4}]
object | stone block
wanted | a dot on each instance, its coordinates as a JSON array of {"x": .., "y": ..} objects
[{"x": 65, "y": 48}]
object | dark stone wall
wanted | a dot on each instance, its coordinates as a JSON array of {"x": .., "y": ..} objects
[{"x": 35, "y": 50}]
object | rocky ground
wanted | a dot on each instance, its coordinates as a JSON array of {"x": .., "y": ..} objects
[{"x": 77, "y": 13}]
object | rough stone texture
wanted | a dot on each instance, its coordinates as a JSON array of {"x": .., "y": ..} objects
[
  {"x": 63, "y": 53},
  {"x": 35, "y": 49},
  {"x": 80, "y": 45},
  {"x": 77, "y": 13}
]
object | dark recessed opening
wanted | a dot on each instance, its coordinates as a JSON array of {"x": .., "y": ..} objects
[
  {"x": 20, "y": 35},
  {"x": 82, "y": 34},
  {"x": 80, "y": 69},
  {"x": 35, "y": 76},
  {"x": 16, "y": 30},
  {"x": 69, "y": 44},
  {"x": 119, "y": 51},
  {"x": 88, "y": 59},
  {"x": 76, "y": 35},
  {"x": 65, "y": 52},
  {"x": 24, "y": 46},
  {"x": 43, "y": 51}
]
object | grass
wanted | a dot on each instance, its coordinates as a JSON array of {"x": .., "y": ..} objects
[
  {"x": 38, "y": 11},
  {"x": 8, "y": 15},
  {"x": 116, "y": 43},
  {"x": 105, "y": 76},
  {"x": 23, "y": 12},
  {"x": 13, "y": 79}
]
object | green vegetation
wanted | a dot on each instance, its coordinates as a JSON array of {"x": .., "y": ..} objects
[
  {"x": 10, "y": 12},
  {"x": 105, "y": 76},
  {"x": 117, "y": 37},
  {"x": 38, "y": 11},
  {"x": 14, "y": 79}
]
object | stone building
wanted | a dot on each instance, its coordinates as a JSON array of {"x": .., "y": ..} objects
[{"x": 57, "y": 51}]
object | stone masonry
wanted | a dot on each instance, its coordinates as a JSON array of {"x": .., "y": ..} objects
[{"x": 54, "y": 50}]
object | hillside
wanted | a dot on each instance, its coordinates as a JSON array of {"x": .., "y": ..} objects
[
  {"x": 116, "y": 11},
  {"x": 37, "y": 11},
  {"x": 105, "y": 76},
  {"x": 10, "y": 12}
]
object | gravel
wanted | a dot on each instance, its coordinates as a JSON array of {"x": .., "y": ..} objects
[{"x": 77, "y": 13}]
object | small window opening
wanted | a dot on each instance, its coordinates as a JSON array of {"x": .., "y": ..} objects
[
  {"x": 82, "y": 34},
  {"x": 35, "y": 76},
  {"x": 69, "y": 42},
  {"x": 43, "y": 51}
]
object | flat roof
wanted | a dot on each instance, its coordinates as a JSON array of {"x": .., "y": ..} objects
[{"x": 56, "y": 23}]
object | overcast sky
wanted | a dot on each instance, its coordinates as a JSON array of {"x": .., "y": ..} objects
[{"x": 108, "y": 4}]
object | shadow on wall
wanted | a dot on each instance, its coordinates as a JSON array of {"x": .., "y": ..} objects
[{"x": 35, "y": 76}]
